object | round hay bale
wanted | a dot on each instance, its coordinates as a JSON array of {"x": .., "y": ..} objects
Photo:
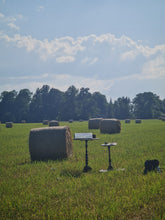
[
  {"x": 9, "y": 124},
  {"x": 110, "y": 126},
  {"x": 94, "y": 123},
  {"x": 50, "y": 143},
  {"x": 45, "y": 122},
  {"x": 53, "y": 123},
  {"x": 23, "y": 121},
  {"x": 127, "y": 121},
  {"x": 138, "y": 121}
]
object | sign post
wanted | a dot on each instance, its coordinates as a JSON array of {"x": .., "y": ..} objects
[
  {"x": 109, "y": 155},
  {"x": 85, "y": 137}
]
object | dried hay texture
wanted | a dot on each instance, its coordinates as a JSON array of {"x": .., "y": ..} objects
[
  {"x": 110, "y": 126},
  {"x": 53, "y": 123},
  {"x": 45, "y": 122},
  {"x": 50, "y": 143},
  {"x": 127, "y": 121},
  {"x": 94, "y": 123},
  {"x": 9, "y": 124},
  {"x": 138, "y": 121}
]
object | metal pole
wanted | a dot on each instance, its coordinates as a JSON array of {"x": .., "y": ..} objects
[
  {"x": 86, "y": 152},
  {"x": 86, "y": 168},
  {"x": 109, "y": 153}
]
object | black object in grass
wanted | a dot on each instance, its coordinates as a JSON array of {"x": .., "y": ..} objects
[{"x": 150, "y": 165}]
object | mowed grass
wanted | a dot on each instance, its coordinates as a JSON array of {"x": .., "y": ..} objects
[{"x": 60, "y": 190}]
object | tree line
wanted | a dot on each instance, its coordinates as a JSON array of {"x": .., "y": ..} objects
[{"x": 52, "y": 104}]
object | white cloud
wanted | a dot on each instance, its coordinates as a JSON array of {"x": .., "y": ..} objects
[
  {"x": 63, "y": 81},
  {"x": 10, "y": 21},
  {"x": 2, "y": 15},
  {"x": 13, "y": 26},
  {"x": 63, "y": 49},
  {"x": 65, "y": 59},
  {"x": 58, "y": 81},
  {"x": 129, "y": 55},
  {"x": 111, "y": 53},
  {"x": 154, "y": 68},
  {"x": 142, "y": 50},
  {"x": 89, "y": 60},
  {"x": 40, "y": 8},
  {"x": 69, "y": 47},
  {"x": 93, "y": 61},
  {"x": 85, "y": 60}
]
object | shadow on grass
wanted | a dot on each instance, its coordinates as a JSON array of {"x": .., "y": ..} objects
[
  {"x": 71, "y": 173},
  {"x": 26, "y": 161},
  {"x": 30, "y": 161}
]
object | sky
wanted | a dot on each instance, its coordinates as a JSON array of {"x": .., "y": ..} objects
[{"x": 115, "y": 47}]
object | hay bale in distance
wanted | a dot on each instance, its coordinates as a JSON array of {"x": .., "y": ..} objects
[
  {"x": 23, "y": 121},
  {"x": 138, "y": 121},
  {"x": 94, "y": 123},
  {"x": 110, "y": 126},
  {"x": 9, "y": 124},
  {"x": 45, "y": 122},
  {"x": 127, "y": 121},
  {"x": 162, "y": 117},
  {"x": 53, "y": 123},
  {"x": 50, "y": 143}
]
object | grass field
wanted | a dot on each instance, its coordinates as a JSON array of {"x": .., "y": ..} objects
[{"x": 60, "y": 190}]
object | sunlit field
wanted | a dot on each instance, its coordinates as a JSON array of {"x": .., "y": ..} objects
[{"x": 61, "y": 190}]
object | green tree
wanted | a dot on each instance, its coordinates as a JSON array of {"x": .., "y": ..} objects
[
  {"x": 55, "y": 104},
  {"x": 40, "y": 104},
  {"x": 86, "y": 105},
  {"x": 122, "y": 108},
  {"x": 22, "y": 102},
  {"x": 101, "y": 105},
  {"x": 146, "y": 105},
  {"x": 69, "y": 105},
  {"x": 7, "y": 106},
  {"x": 110, "y": 111}
]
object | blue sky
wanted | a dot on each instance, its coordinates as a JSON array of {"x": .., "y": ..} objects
[{"x": 115, "y": 47}]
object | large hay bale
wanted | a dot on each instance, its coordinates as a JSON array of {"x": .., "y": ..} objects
[
  {"x": 127, "y": 121},
  {"x": 45, "y": 122},
  {"x": 138, "y": 121},
  {"x": 110, "y": 126},
  {"x": 9, "y": 124},
  {"x": 94, "y": 123},
  {"x": 50, "y": 143},
  {"x": 53, "y": 123}
]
